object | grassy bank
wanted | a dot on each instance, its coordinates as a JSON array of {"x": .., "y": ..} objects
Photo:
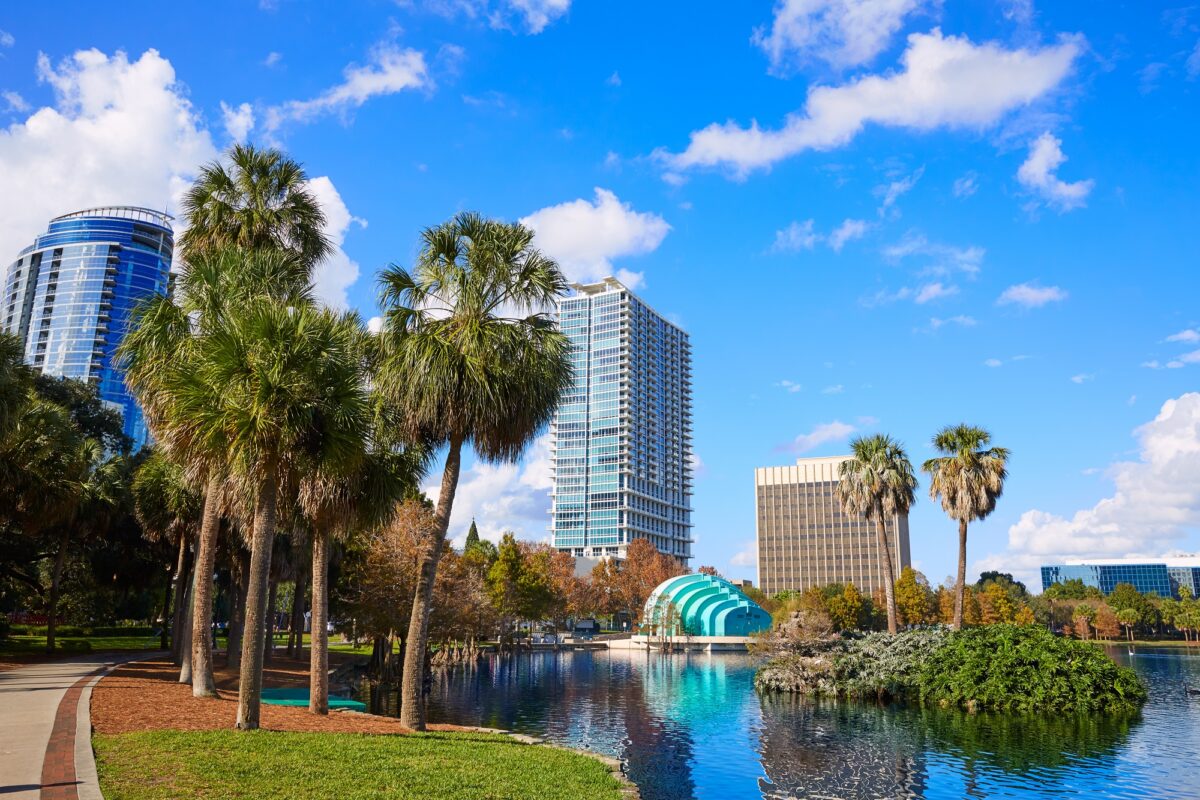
[
  {"x": 70, "y": 645},
  {"x": 269, "y": 764}
]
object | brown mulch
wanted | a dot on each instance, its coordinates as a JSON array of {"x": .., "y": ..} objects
[{"x": 146, "y": 695}]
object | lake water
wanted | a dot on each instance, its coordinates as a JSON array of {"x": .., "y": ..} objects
[{"x": 692, "y": 726}]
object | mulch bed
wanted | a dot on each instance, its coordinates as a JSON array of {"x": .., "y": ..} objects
[{"x": 146, "y": 696}]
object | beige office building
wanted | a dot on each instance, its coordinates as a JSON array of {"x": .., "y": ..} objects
[{"x": 805, "y": 539}]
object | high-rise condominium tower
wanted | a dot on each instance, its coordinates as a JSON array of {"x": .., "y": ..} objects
[
  {"x": 805, "y": 539},
  {"x": 70, "y": 294},
  {"x": 623, "y": 434}
]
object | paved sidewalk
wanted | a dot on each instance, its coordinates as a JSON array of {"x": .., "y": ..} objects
[{"x": 45, "y": 728}]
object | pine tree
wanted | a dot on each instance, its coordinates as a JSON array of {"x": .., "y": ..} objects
[{"x": 472, "y": 537}]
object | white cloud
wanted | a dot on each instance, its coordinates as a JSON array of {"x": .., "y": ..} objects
[
  {"x": 699, "y": 468},
  {"x": 1193, "y": 62},
  {"x": 967, "y": 185},
  {"x": 14, "y": 102},
  {"x": 849, "y": 230},
  {"x": 273, "y": 59},
  {"x": 790, "y": 386},
  {"x": 933, "y": 291},
  {"x": 1082, "y": 377},
  {"x": 538, "y": 14},
  {"x": 1190, "y": 335},
  {"x": 1155, "y": 505},
  {"x": 585, "y": 236},
  {"x": 389, "y": 71},
  {"x": 502, "y": 497},
  {"x": 1038, "y": 175},
  {"x": 375, "y": 324},
  {"x": 961, "y": 320},
  {"x": 835, "y": 389},
  {"x": 614, "y": 79},
  {"x": 239, "y": 121},
  {"x": 823, "y": 433},
  {"x": 843, "y": 33},
  {"x": 7, "y": 39},
  {"x": 993, "y": 362},
  {"x": 946, "y": 82},
  {"x": 795, "y": 237},
  {"x": 747, "y": 556},
  {"x": 891, "y": 192},
  {"x": 1030, "y": 295},
  {"x": 939, "y": 259},
  {"x": 120, "y": 132},
  {"x": 337, "y": 272}
]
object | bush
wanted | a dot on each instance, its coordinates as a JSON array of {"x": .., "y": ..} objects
[
  {"x": 884, "y": 666},
  {"x": 1026, "y": 668}
]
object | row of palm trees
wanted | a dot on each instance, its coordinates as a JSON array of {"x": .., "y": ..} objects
[
  {"x": 282, "y": 412},
  {"x": 878, "y": 482}
]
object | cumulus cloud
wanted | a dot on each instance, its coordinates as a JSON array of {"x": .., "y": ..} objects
[
  {"x": 823, "y": 433},
  {"x": 584, "y": 237},
  {"x": 1155, "y": 505},
  {"x": 747, "y": 556},
  {"x": 842, "y": 33},
  {"x": 1037, "y": 174},
  {"x": 239, "y": 121},
  {"x": 503, "y": 497},
  {"x": 945, "y": 82},
  {"x": 538, "y": 14},
  {"x": 389, "y": 70},
  {"x": 936, "y": 258},
  {"x": 375, "y": 324},
  {"x": 120, "y": 132},
  {"x": 337, "y": 272},
  {"x": 1031, "y": 295},
  {"x": 1190, "y": 335}
]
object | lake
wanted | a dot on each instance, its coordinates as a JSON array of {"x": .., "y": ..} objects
[{"x": 691, "y": 725}]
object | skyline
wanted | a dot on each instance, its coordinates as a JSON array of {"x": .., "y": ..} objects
[{"x": 980, "y": 213}]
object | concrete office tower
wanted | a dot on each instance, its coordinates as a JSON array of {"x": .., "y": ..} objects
[
  {"x": 70, "y": 295},
  {"x": 805, "y": 539},
  {"x": 623, "y": 434}
]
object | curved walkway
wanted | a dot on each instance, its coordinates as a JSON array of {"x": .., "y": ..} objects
[{"x": 45, "y": 728}]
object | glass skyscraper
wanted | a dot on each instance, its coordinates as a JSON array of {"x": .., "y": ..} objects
[
  {"x": 1163, "y": 578},
  {"x": 69, "y": 296},
  {"x": 623, "y": 433}
]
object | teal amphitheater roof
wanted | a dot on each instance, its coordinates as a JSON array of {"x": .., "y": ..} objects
[{"x": 702, "y": 605}]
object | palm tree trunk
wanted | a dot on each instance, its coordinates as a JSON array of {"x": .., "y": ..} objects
[
  {"x": 318, "y": 692},
  {"x": 185, "y": 646},
  {"x": 60, "y": 561},
  {"x": 203, "y": 684},
  {"x": 177, "y": 591},
  {"x": 889, "y": 575},
  {"x": 296, "y": 624},
  {"x": 961, "y": 586},
  {"x": 272, "y": 617},
  {"x": 250, "y": 680},
  {"x": 412, "y": 686},
  {"x": 237, "y": 614}
]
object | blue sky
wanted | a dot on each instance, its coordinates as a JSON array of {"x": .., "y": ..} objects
[{"x": 887, "y": 215}]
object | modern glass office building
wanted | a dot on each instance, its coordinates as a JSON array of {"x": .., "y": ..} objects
[
  {"x": 623, "y": 434},
  {"x": 805, "y": 539},
  {"x": 70, "y": 294},
  {"x": 1164, "y": 578}
]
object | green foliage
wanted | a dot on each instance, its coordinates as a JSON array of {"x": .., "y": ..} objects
[
  {"x": 884, "y": 665},
  {"x": 1026, "y": 668},
  {"x": 1072, "y": 589}
]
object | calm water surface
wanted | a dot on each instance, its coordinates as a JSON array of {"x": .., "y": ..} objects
[{"x": 692, "y": 726}]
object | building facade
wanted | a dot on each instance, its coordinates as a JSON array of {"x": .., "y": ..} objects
[
  {"x": 805, "y": 539},
  {"x": 622, "y": 437},
  {"x": 1163, "y": 578},
  {"x": 70, "y": 295}
]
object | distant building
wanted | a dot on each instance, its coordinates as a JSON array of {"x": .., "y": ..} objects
[
  {"x": 704, "y": 606},
  {"x": 623, "y": 434},
  {"x": 69, "y": 296},
  {"x": 742, "y": 583},
  {"x": 1161, "y": 577},
  {"x": 805, "y": 539}
]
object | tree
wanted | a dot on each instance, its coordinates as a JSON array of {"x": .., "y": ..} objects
[
  {"x": 1128, "y": 617},
  {"x": 848, "y": 609},
  {"x": 461, "y": 371},
  {"x": 877, "y": 483},
  {"x": 709, "y": 571},
  {"x": 1072, "y": 589},
  {"x": 640, "y": 573},
  {"x": 15, "y": 381},
  {"x": 914, "y": 599},
  {"x": 1082, "y": 616},
  {"x": 472, "y": 537},
  {"x": 519, "y": 583},
  {"x": 968, "y": 478}
]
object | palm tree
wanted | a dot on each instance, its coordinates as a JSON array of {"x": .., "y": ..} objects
[
  {"x": 261, "y": 200},
  {"x": 338, "y": 502},
  {"x": 1128, "y": 617},
  {"x": 16, "y": 379},
  {"x": 877, "y": 482},
  {"x": 968, "y": 478},
  {"x": 278, "y": 388},
  {"x": 470, "y": 358}
]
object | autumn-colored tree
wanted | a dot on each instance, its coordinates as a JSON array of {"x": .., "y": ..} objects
[
  {"x": 1024, "y": 616},
  {"x": 945, "y": 600},
  {"x": 643, "y": 569},
  {"x": 1106, "y": 624},
  {"x": 914, "y": 598},
  {"x": 849, "y": 610},
  {"x": 1081, "y": 618},
  {"x": 706, "y": 570},
  {"x": 995, "y": 605}
]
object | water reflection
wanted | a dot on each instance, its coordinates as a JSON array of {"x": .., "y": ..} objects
[{"x": 691, "y": 725}]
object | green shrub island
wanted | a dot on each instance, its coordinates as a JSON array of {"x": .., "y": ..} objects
[{"x": 995, "y": 667}]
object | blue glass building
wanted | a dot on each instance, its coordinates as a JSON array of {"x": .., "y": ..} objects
[
  {"x": 1162, "y": 578},
  {"x": 69, "y": 296},
  {"x": 623, "y": 433}
]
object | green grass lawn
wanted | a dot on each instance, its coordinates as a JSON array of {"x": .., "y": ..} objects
[
  {"x": 69, "y": 645},
  {"x": 270, "y": 764}
]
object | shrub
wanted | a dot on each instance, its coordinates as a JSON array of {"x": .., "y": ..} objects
[
  {"x": 884, "y": 666},
  {"x": 1026, "y": 668}
]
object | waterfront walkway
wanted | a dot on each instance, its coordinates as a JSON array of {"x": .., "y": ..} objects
[{"x": 45, "y": 728}]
